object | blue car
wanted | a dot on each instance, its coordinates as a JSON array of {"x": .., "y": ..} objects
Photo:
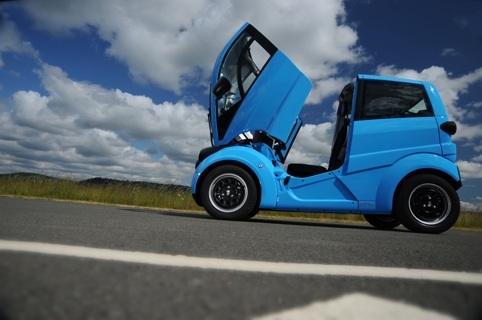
[{"x": 392, "y": 158}]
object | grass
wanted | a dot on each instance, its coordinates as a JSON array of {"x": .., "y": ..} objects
[
  {"x": 98, "y": 190},
  {"x": 153, "y": 195}
]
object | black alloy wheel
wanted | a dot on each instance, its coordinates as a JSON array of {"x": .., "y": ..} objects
[{"x": 229, "y": 192}]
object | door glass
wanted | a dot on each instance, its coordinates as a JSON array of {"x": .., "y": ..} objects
[{"x": 242, "y": 66}]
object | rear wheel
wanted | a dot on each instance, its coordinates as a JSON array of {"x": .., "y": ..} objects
[
  {"x": 229, "y": 192},
  {"x": 427, "y": 203},
  {"x": 382, "y": 221}
]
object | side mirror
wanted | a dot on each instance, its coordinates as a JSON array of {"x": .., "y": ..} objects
[{"x": 221, "y": 87}]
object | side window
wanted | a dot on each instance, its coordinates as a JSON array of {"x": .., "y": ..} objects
[
  {"x": 388, "y": 99},
  {"x": 241, "y": 67},
  {"x": 243, "y": 63}
]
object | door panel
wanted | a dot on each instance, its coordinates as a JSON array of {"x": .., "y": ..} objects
[{"x": 266, "y": 91}]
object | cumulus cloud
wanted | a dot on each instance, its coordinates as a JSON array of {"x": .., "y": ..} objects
[
  {"x": 83, "y": 128},
  {"x": 449, "y": 52},
  {"x": 477, "y": 104},
  {"x": 312, "y": 145},
  {"x": 11, "y": 40},
  {"x": 470, "y": 170},
  {"x": 174, "y": 43}
]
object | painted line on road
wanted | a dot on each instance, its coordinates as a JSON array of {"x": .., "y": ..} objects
[
  {"x": 241, "y": 265},
  {"x": 357, "y": 306}
]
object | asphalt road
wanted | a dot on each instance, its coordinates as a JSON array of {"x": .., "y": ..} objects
[{"x": 201, "y": 268}]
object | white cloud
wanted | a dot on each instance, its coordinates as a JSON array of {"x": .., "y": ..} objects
[
  {"x": 470, "y": 170},
  {"x": 11, "y": 40},
  {"x": 312, "y": 145},
  {"x": 477, "y": 158},
  {"x": 85, "y": 129},
  {"x": 175, "y": 43},
  {"x": 467, "y": 206},
  {"x": 449, "y": 52},
  {"x": 478, "y": 148},
  {"x": 323, "y": 88},
  {"x": 476, "y": 104}
]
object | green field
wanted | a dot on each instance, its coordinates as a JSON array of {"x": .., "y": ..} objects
[{"x": 153, "y": 195}]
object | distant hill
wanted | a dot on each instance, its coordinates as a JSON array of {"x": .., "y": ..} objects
[
  {"x": 97, "y": 181},
  {"x": 28, "y": 176}
]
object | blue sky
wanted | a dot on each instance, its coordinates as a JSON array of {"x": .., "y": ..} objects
[{"x": 118, "y": 88}]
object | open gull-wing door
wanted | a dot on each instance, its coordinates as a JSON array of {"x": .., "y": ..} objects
[{"x": 256, "y": 88}]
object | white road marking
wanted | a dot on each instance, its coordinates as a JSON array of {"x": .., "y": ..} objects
[
  {"x": 357, "y": 306},
  {"x": 241, "y": 265}
]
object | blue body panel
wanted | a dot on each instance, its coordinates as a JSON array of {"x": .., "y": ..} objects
[
  {"x": 273, "y": 102},
  {"x": 321, "y": 193},
  {"x": 449, "y": 149}
]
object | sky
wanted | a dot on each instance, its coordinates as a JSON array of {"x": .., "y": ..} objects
[{"x": 119, "y": 89}]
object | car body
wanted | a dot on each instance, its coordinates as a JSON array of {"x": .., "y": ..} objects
[{"x": 392, "y": 160}]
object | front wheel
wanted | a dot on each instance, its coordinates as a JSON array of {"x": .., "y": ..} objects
[
  {"x": 229, "y": 192},
  {"x": 427, "y": 203}
]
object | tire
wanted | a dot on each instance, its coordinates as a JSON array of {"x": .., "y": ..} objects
[
  {"x": 427, "y": 203},
  {"x": 230, "y": 193},
  {"x": 379, "y": 221}
]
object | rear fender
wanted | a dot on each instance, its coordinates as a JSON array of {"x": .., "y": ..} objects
[{"x": 408, "y": 166}]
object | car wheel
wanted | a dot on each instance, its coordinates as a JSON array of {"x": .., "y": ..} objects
[
  {"x": 229, "y": 192},
  {"x": 427, "y": 203},
  {"x": 382, "y": 221}
]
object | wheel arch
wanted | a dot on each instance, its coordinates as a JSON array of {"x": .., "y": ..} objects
[
  {"x": 409, "y": 167},
  {"x": 435, "y": 172},
  {"x": 255, "y": 164}
]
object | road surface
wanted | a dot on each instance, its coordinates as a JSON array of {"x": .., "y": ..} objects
[{"x": 61, "y": 260}]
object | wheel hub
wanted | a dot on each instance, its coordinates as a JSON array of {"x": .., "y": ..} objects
[
  {"x": 228, "y": 192},
  {"x": 428, "y": 204}
]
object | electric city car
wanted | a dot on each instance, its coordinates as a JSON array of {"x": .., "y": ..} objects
[{"x": 392, "y": 158}]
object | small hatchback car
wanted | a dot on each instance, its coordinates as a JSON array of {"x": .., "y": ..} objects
[{"x": 392, "y": 156}]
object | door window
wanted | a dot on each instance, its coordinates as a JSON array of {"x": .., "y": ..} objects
[{"x": 241, "y": 67}]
